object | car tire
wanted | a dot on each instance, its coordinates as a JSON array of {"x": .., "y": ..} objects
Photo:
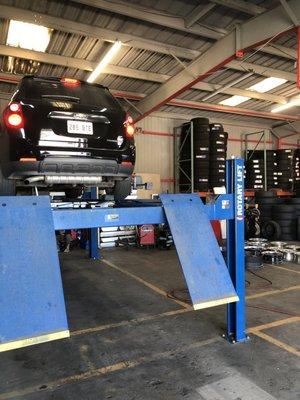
[
  {"x": 122, "y": 189},
  {"x": 7, "y": 186},
  {"x": 74, "y": 193},
  {"x": 271, "y": 230}
]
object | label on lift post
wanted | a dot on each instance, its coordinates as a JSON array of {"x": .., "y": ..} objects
[{"x": 112, "y": 217}]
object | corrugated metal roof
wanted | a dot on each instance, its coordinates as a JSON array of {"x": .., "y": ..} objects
[{"x": 91, "y": 49}]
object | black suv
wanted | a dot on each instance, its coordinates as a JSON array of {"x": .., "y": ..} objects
[{"x": 63, "y": 134}]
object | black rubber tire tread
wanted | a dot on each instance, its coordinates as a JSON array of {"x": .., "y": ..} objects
[
  {"x": 284, "y": 208},
  {"x": 122, "y": 189},
  {"x": 283, "y": 216},
  {"x": 200, "y": 163},
  {"x": 293, "y": 200},
  {"x": 264, "y": 194},
  {"x": 200, "y": 121},
  {"x": 288, "y": 230},
  {"x": 271, "y": 230},
  {"x": 201, "y": 142},
  {"x": 298, "y": 228},
  {"x": 286, "y": 223},
  {"x": 74, "y": 192},
  {"x": 287, "y": 237},
  {"x": 267, "y": 201},
  {"x": 7, "y": 186}
]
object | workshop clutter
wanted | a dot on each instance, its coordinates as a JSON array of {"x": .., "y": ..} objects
[{"x": 136, "y": 236}]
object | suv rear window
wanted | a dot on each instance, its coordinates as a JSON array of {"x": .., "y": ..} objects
[{"x": 88, "y": 95}]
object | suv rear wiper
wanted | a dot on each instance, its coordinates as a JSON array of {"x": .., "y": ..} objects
[{"x": 61, "y": 96}]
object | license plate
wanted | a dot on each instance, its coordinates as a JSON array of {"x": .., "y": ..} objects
[{"x": 80, "y": 127}]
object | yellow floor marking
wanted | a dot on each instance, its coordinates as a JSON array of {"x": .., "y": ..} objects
[
  {"x": 276, "y": 342},
  {"x": 286, "y": 269},
  {"x": 17, "y": 344},
  {"x": 145, "y": 283},
  {"x": 100, "y": 328},
  {"x": 102, "y": 370},
  {"x": 274, "y": 324},
  {"x": 271, "y": 292}
]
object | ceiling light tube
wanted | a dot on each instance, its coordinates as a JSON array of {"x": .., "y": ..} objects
[
  {"x": 267, "y": 84},
  {"x": 290, "y": 104},
  {"x": 105, "y": 60}
]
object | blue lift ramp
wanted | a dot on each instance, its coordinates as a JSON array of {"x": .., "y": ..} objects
[
  {"x": 203, "y": 265},
  {"x": 31, "y": 294}
]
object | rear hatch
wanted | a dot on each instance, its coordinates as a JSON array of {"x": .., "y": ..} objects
[{"x": 72, "y": 118}]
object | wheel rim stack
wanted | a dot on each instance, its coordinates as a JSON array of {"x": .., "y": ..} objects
[
  {"x": 285, "y": 169},
  {"x": 217, "y": 155}
]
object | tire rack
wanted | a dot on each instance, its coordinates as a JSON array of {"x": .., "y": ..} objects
[{"x": 177, "y": 148}]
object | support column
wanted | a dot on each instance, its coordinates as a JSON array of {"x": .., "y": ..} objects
[
  {"x": 94, "y": 233},
  {"x": 236, "y": 319}
]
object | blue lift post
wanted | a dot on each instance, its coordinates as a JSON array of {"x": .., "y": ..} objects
[
  {"x": 236, "y": 316},
  {"x": 29, "y": 320},
  {"x": 94, "y": 233}
]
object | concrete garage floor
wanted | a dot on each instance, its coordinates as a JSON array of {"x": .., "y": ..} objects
[{"x": 129, "y": 341}]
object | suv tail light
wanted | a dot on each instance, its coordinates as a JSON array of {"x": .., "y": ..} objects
[
  {"x": 13, "y": 116},
  {"x": 129, "y": 127}
]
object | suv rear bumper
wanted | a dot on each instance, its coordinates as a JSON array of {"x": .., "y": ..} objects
[{"x": 67, "y": 166}]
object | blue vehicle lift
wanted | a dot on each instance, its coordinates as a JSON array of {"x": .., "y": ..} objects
[{"x": 32, "y": 306}]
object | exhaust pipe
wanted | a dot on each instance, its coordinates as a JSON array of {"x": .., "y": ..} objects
[
  {"x": 73, "y": 179},
  {"x": 65, "y": 179},
  {"x": 33, "y": 179}
]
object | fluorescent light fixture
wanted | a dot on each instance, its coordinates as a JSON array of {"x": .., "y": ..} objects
[
  {"x": 292, "y": 103},
  {"x": 263, "y": 86},
  {"x": 267, "y": 84},
  {"x": 234, "y": 100},
  {"x": 28, "y": 36},
  {"x": 105, "y": 60}
]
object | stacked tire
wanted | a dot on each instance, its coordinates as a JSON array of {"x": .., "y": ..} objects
[
  {"x": 296, "y": 170},
  {"x": 201, "y": 153},
  {"x": 255, "y": 169},
  {"x": 285, "y": 169},
  {"x": 254, "y": 173},
  {"x": 284, "y": 216},
  {"x": 272, "y": 169},
  {"x": 295, "y": 201},
  {"x": 265, "y": 201},
  {"x": 217, "y": 155}
]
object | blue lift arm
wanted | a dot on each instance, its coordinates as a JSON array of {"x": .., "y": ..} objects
[{"x": 32, "y": 305}]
